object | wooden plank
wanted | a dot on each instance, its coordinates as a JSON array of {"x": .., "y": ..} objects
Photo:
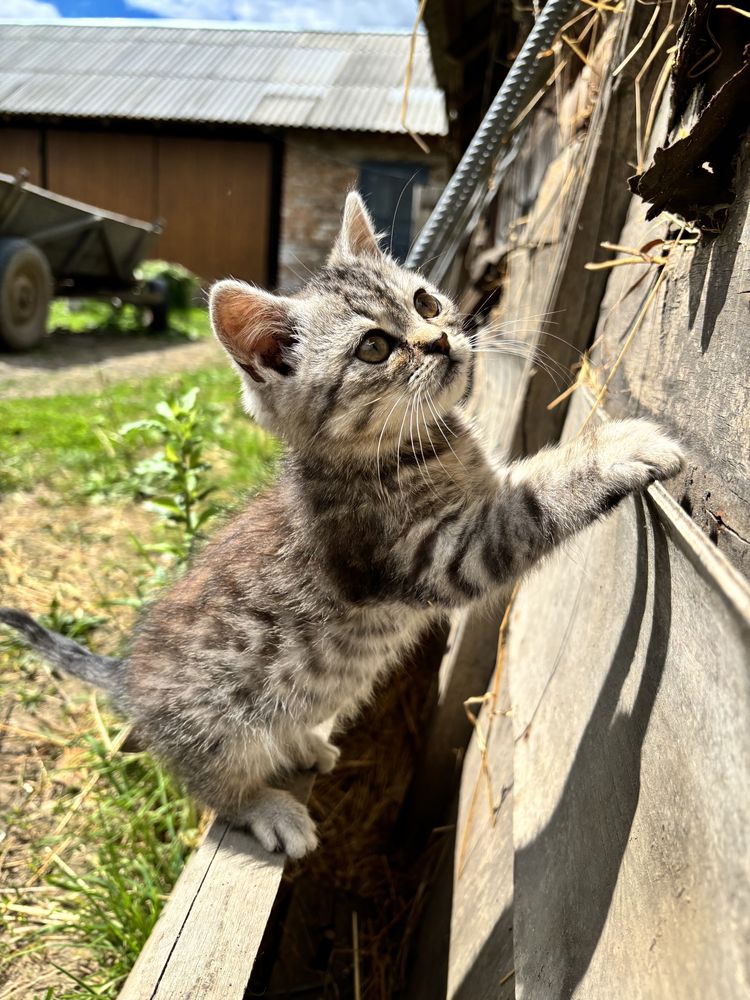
[
  {"x": 631, "y": 715},
  {"x": 215, "y": 195},
  {"x": 481, "y": 961},
  {"x": 595, "y": 202},
  {"x": 20, "y": 148},
  {"x": 206, "y": 940},
  {"x": 566, "y": 193},
  {"x": 688, "y": 363},
  {"x": 464, "y": 670},
  {"x": 464, "y": 946}
]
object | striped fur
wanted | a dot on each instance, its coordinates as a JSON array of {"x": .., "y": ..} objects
[{"x": 387, "y": 514}]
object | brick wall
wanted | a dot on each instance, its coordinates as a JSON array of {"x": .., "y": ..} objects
[{"x": 319, "y": 168}]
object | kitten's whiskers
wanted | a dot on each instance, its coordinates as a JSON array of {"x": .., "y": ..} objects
[
  {"x": 429, "y": 482},
  {"x": 426, "y": 399},
  {"x": 407, "y": 411},
  {"x": 440, "y": 425},
  {"x": 380, "y": 441}
]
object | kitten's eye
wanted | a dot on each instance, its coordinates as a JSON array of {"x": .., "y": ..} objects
[
  {"x": 426, "y": 305},
  {"x": 374, "y": 349}
]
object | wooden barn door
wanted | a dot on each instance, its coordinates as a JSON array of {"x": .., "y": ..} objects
[
  {"x": 111, "y": 170},
  {"x": 215, "y": 197},
  {"x": 20, "y": 149}
]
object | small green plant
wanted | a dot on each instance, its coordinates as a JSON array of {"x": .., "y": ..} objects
[
  {"x": 76, "y": 624},
  {"x": 183, "y": 287},
  {"x": 173, "y": 479},
  {"x": 140, "y": 829},
  {"x": 86, "y": 315}
]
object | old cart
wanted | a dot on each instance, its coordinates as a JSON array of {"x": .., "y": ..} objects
[{"x": 54, "y": 246}]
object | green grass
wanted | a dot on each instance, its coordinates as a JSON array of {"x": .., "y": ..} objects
[
  {"x": 122, "y": 847},
  {"x": 190, "y": 323},
  {"x": 139, "y": 830},
  {"x": 64, "y": 442},
  {"x": 131, "y": 837}
]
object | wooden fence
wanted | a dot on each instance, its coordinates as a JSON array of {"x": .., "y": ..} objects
[{"x": 614, "y": 859}]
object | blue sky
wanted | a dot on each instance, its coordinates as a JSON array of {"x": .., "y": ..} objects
[{"x": 344, "y": 15}]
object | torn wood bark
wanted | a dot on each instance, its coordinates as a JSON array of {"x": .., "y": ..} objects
[{"x": 694, "y": 177}]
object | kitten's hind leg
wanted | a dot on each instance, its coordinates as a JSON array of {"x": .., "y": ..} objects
[
  {"x": 236, "y": 783},
  {"x": 278, "y": 822}
]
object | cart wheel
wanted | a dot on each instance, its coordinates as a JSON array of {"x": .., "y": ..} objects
[
  {"x": 25, "y": 293},
  {"x": 160, "y": 309}
]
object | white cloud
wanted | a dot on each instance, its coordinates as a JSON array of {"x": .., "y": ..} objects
[
  {"x": 28, "y": 9},
  {"x": 312, "y": 15},
  {"x": 191, "y": 10}
]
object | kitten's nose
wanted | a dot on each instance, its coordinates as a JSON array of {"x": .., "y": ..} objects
[{"x": 439, "y": 346}]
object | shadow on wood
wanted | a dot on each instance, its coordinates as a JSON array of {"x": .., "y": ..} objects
[
  {"x": 569, "y": 871},
  {"x": 570, "y": 899}
]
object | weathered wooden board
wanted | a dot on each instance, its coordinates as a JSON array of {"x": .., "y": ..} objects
[
  {"x": 480, "y": 963},
  {"x": 629, "y": 660},
  {"x": 689, "y": 362},
  {"x": 591, "y": 208},
  {"x": 464, "y": 670},
  {"x": 463, "y": 949},
  {"x": 206, "y": 940},
  {"x": 567, "y": 193}
]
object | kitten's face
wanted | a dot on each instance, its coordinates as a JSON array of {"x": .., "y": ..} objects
[{"x": 360, "y": 358}]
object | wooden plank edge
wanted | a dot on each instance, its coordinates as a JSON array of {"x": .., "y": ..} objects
[
  {"x": 182, "y": 913},
  {"x": 705, "y": 557},
  {"x": 172, "y": 918}
]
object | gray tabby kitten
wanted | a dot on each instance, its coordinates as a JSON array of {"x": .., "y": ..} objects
[{"x": 387, "y": 515}]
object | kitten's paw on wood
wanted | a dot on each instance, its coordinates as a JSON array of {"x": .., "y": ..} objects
[
  {"x": 636, "y": 453},
  {"x": 279, "y": 823}
]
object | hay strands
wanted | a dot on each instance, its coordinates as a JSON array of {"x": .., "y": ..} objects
[
  {"x": 490, "y": 698},
  {"x": 633, "y": 255},
  {"x": 407, "y": 80}
]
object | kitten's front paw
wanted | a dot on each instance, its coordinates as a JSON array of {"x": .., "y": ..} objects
[
  {"x": 327, "y": 757},
  {"x": 636, "y": 453},
  {"x": 318, "y": 754},
  {"x": 280, "y": 823}
]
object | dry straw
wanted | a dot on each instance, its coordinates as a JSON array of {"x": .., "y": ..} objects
[
  {"x": 407, "y": 79},
  {"x": 483, "y": 738}
]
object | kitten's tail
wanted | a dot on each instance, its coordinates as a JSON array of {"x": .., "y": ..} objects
[{"x": 63, "y": 652}]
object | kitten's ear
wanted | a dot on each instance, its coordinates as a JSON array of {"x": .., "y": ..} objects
[
  {"x": 254, "y": 327},
  {"x": 357, "y": 237}
]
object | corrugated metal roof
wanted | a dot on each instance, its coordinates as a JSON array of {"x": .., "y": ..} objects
[{"x": 220, "y": 75}]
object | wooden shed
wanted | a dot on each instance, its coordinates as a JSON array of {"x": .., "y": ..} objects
[{"x": 243, "y": 141}]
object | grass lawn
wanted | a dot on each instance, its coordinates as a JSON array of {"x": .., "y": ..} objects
[
  {"x": 65, "y": 442},
  {"x": 91, "y": 840}
]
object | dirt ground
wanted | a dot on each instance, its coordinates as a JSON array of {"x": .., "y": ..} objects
[{"x": 83, "y": 362}]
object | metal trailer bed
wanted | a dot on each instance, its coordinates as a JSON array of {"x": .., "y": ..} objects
[{"x": 55, "y": 246}]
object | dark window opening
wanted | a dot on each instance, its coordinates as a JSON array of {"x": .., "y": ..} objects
[{"x": 388, "y": 190}]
